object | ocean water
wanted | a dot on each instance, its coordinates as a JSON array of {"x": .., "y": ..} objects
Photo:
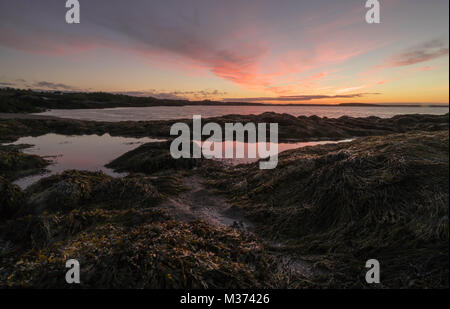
[{"x": 184, "y": 112}]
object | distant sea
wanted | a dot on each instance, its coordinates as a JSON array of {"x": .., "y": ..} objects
[{"x": 183, "y": 112}]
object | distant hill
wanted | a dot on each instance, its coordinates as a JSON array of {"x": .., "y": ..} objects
[
  {"x": 31, "y": 101},
  {"x": 28, "y": 101}
]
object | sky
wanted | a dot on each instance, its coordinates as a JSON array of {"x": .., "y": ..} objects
[{"x": 273, "y": 51}]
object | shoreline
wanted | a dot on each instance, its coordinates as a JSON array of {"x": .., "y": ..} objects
[{"x": 291, "y": 128}]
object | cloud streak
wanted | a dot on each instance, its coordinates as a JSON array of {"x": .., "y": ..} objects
[
  {"x": 298, "y": 98},
  {"x": 40, "y": 85},
  {"x": 176, "y": 95},
  {"x": 53, "y": 86},
  {"x": 420, "y": 53}
]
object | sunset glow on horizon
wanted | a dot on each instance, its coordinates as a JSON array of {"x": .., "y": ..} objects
[{"x": 235, "y": 51}]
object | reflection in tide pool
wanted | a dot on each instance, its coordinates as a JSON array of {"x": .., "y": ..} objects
[
  {"x": 210, "y": 149},
  {"x": 82, "y": 152},
  {"x": 93, "y": 152}
]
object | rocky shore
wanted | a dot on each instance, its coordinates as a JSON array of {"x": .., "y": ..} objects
[{"x": 290, "y": 128}]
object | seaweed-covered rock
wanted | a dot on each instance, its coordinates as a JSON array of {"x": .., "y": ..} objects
[
  {"x": 63, "y": 191},
  {"x": 11, "y": 199},
  {"x": 150, "y": 158},
  {"x": 136, "y": 190},
  {"x": 39, "y": 231},
  {"x": 82, "y": 189},
  {"x": 162, "y": 254},
  {"x": 121, "y": 241},
  {"x": 376, "y": 197},
  {"x": 15, "y": 164}
]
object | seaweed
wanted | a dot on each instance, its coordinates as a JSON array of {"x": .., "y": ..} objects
[
  {"x": 121, "y": 240},
  {"x": 11, "y": 199},
  {"x": 15, "y": 164},
  {"x": 74, "y": 189},
  {"x": 165, "y": 254},
  {"x": 151, "y": 158},
  {"x": 375, "y": 197}
]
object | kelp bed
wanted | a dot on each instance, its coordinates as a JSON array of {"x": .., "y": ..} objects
[{"x": 382, "y": 198}]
